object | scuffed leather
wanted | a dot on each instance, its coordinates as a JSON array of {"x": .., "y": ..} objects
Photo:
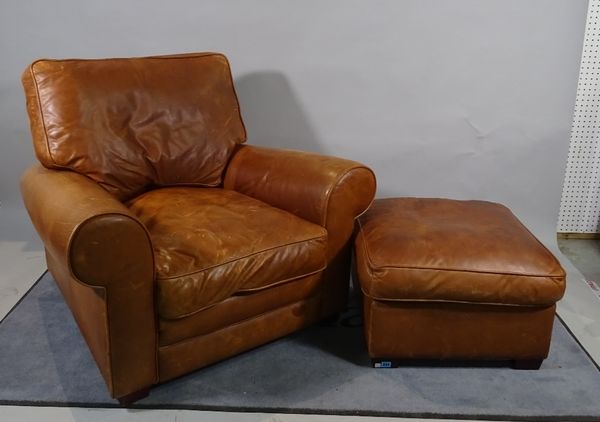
[
  {"x": 328, "y": 191},
  {"x": 239, "y": 307},
  {"x": 94, "y": 241},
  {"x": 441, "y": 249},
  {"x": 131, "y": 124},
  {"x": 185, "y": 356},
  {"x": 110, "y": 130},
  {"x": 428, "y": 330},
  {"x": 210, "y": 243},
  {"x": 301, "y": 182}
]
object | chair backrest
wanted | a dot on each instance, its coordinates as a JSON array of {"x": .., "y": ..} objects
[{"x": 131, "y": 124}]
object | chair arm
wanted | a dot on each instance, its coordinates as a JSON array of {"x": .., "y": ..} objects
[
  {"x": 101, "y": 257},
  {"x": 327, "y": 191},
  {"x": 86, "y": 228}
]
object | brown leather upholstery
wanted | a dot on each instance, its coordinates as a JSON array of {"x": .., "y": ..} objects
[
  {"x": 324, "y": 190},
  {"x": 147, "y": 247},
  {"x": 101, "y": 257},
  {"x": 451, "y": 279},
  {"x": 130, "y": 124},
  {"x": 198, "y": 266},
  {"x": 446, "y": 330},
  {"x": 441, "y": 249},
  {"x": 239, "y": 307}
]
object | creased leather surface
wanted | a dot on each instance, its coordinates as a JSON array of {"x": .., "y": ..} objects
[
  {"x": 441, "y": 249},
  {"x": 210, "y": 243},
  {"x": 299, "y": 182},
  {"x": 180, "y": 358},
  {"x": 239, "y": 307},
  {"x": 328, "y": 191},
  {"x": 101, "y": 257},
  {"x": 412, "y": 330},
  {"x": 130, "y": 124}
]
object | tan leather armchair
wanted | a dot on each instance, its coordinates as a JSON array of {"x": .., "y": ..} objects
[{"x": 175, "y": 245}]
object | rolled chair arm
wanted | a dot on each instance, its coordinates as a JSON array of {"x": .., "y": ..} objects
[
  {"x": 328, "y": 191},
  {"x": 101, "y": 257},
  {"x": 86, "y": 228}
]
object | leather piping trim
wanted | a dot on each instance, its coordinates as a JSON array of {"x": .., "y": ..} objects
[
  {"x": 465, "y": 302},
  {"x": 172, "y": 57},
  {"x": 107, "y": 324},
  {"x": 240, "y": 258},
  {"x": 326, "y": 201},
  {"x": 308, "y": 298},
  {"x": 370, "y": 270},
  {"x": 257, "y": 289},
  {"x": 374, "y": 267},
  {"x": 278, "y": 283},
  {"x": 538, "y": 241},
  {"x": 39, "y": 104}
]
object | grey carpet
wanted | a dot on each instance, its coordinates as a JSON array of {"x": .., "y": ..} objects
[{"x": 323, "y": 369}]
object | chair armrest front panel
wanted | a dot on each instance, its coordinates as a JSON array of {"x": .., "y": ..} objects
[{"x": 93, "y": 241}]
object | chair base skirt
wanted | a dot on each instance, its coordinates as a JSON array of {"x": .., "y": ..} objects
[
  {"x": 183, "y": 357},
  {"x": 407, "y": 330}
]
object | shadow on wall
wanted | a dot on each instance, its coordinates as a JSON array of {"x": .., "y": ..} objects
[{"x": 272, "y": 113}]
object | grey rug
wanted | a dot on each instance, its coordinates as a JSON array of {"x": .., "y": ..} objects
[{"x": 323, "y": 369}]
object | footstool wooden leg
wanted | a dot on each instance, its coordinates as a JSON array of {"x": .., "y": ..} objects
[
  {"x": 384, "y": 363},
  {"x": 527, "y": 363},
  {"x": 127, "y": 400}
]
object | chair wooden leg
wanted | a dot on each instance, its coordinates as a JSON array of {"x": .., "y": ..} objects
[
  {"x": 129, "y": 399},
  {"x": 527, "y": 363}
]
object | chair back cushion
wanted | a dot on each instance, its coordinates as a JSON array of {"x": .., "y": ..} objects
[{"x": 131, "y": 124}]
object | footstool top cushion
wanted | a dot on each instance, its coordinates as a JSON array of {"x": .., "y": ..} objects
[{"x": 450, "y": 250}]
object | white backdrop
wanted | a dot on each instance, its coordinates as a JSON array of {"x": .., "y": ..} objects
[{"x": 449, "y": 98}]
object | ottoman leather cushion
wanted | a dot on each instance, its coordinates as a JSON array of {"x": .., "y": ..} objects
[{"x": 420, "y": 249}]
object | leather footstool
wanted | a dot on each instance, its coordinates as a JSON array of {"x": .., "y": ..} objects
[{"x": 461, "y": 280}]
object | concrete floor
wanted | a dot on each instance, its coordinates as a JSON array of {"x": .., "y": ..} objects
[{"x": 585, "y": 255}]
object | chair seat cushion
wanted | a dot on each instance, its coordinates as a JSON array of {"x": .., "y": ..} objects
[
  {"x": 211, "y": 243},
  {"x": 447, "y": 250}
]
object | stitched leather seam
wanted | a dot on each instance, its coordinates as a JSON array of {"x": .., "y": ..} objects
[
  {"x": 190, "y": 339},
  {"x": 374, "y": 278},
  {"x": 239, "y": 108},
  {"x": 189, "y": 56},
  {"x": 240, "y": 258},
  {"x": 381, "y": 267},
  {"x": 391, "y": 267},
  {"x": 39, "y": 104},
  {"x": 374, "y": 266},
  {"x": 278, "y": 283},
  {"x": 513, "y": 305},
  {"x": 182, "y": 56},
  {"x": 326, "y": 202}
]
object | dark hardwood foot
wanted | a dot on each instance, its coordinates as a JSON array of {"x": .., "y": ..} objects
[
  {"x": 129, "y": 399},
  {"x": 527, "y": 363},
  {"x": 384, "y": 363}
]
